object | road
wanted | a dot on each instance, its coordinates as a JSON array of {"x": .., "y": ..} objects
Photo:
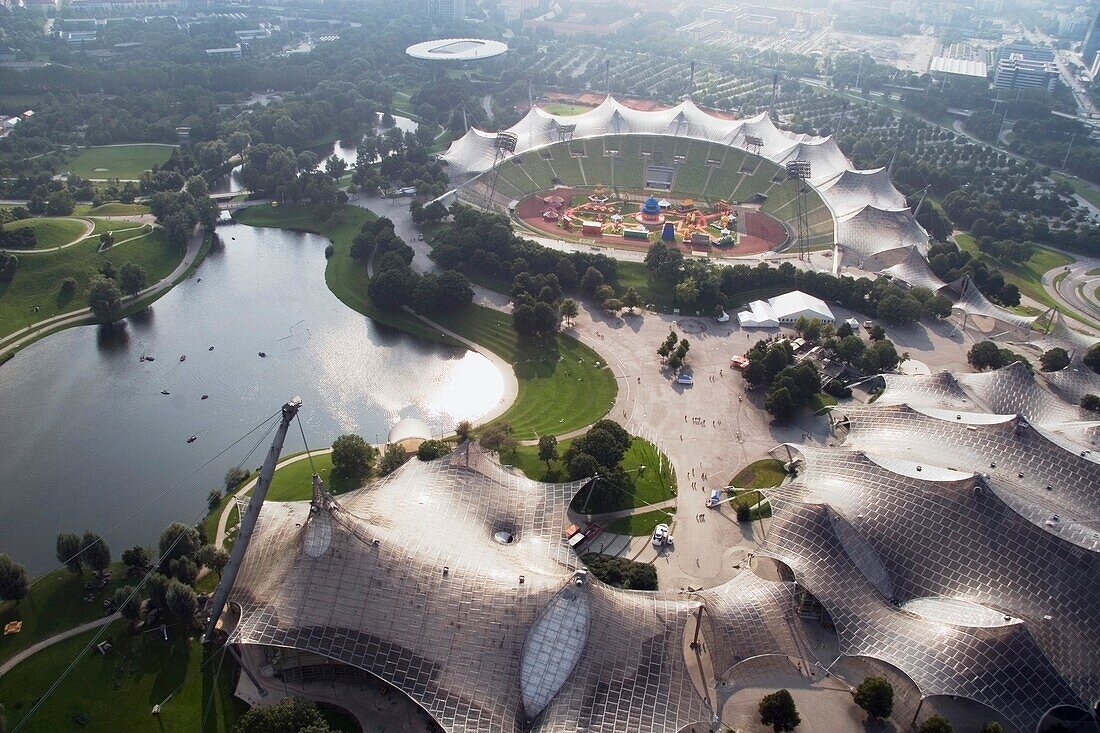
[
  {"x": 1085, "y": 106},
  {"x": 1077, "y": 289}
]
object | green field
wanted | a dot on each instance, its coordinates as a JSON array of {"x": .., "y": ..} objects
[
  {"x": 821, "y": 402},
  {"x": 118, "y": 161},
  {"x": 55, "y": 603},
  {"x": 563, "y": 384},
  {"x": 37, "y": 281},
  {"x": 294, "y": 482},
  {"x": 117, "y": 691},
  {"x": 762, "y": 474},
  {"x": 655, "y": 484},
  {"x": 50, "y": 232},
  {"x": 346, "y": 277},
  {"x": 640, "y": 525},
  {"x": 562, "y": 108},
  {"x": 112, "y": 208}
]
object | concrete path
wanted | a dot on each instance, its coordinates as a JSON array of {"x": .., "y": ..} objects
[
  {"x": 26, "y": 335},
  {"x": 89, "y": 226},
  {"x": 55, "y": 639}
]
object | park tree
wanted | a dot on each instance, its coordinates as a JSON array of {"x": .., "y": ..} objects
[
  {"x": 780, "y": 404},
  {"x": 181, "y": 601},
  {"x": 1092, "y": 358},
  {"x": 498, "y": 437},
  {"x": 105, "y": 299},
  {"x": 778, "y": 710},
  {"x": 106, "y": 240},
  {"x": 993, "y": 727},
  {"x": 213, "y": 498},
  {"x": 183, "y": 569},
  {"x": 548, "y": 449},
  {"x": 289, "y": 715},
  {"x": 936, "y": 724},
  {"x": 127, "y": 602},
  {"x": 985, "y": 355},
  {"x": 131, "y": 278},
  {"x": 213, "y": 558},
  {"x": 157, "y": 585},
  {"x": 876, "y": 696},
  {"x": 136, "y": 559},
  {"x": 686, "y": 292},
  {"x": 1091, "y": 402},
  {"x": 569, "y": 308},
  {"x": 393, "y": 457},
  {"x": 591, "y": 280},
  {"x": 13, "y": 580},
  {"x": 68, "y": 286},
  {"x": 463, "y": 430},
  {"x": 429, "y": 450},
  {"x": 176, "y": 541},
  {"x": 96, "y": 552},
  {"x": 234, "y": 477},
  {"x": 352, "y": 457},
  {"x": 1054, "y": 360},
  {"x": 69, "y": 551},
  {"x": 8, "y": 264},
  {"x": 631, "y": 299}
]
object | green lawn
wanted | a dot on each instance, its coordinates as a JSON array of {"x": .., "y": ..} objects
[
  {"x": 821, "y": 402},
  {"x": 117, "y": 691},
  {"x": 561, "y": 388},
  {"x": 38, "y": 279},
  {"x": 762, "y": 474},
  {"x": 49, "y": 232},
  {"x": 118, "y": 161},
  {"x": 561, "y": 108},
  {"x": 640, "y": 525},
  {"x": 294, "y": 482},
  {"x": 346, "y": 277},
  {"x": 113, "y": 208},
  {"x": 655, "y": 484},
  {"x": 55, "y": 603}
]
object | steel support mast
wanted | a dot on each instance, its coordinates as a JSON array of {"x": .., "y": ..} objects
[{"x": 248, "y": 519}]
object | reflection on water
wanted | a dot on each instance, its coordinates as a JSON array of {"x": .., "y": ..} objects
[{"x": 89, "y": 437}]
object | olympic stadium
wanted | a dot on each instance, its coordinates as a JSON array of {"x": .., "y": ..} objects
[
  {"x": 947, "y": 538},
  {"x": 690, "y": 152}
]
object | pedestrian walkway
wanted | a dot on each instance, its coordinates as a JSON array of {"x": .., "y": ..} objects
[{"x": 30, "y": 651}]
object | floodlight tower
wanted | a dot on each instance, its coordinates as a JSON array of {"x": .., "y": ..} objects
[
  {"x": 799, "y": 172},
  {"x": 754, "y": 144},
  {"x": 505, "y": 144}
]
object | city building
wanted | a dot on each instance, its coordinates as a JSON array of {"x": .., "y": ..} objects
[
  {"x": 1017, "y": 72},
  {"x": 1090, "y": 49},
  {"x": 446, "y": 11}
]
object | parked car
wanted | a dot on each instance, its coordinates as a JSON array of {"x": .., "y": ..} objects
[
  {"x": 722, "y": 317},
  {"x": 661, "y": 535},
  {"x": 685, "y": 378}
]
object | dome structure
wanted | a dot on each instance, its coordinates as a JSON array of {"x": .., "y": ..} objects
[{"x": 409, "y": 433}]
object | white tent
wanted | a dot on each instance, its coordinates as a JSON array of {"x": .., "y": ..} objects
[{"x": 786, "y": 308}]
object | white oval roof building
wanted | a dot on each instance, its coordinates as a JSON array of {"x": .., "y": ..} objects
[
  {"x": 457, "y": 49},
  {"x": 409, "y": 433}
]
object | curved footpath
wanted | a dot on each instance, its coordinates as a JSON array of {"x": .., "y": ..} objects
[
  {"x": 18, "y": 339},
  {"x": 89, "y": 227},
  {"x": 55, "y": 639}
]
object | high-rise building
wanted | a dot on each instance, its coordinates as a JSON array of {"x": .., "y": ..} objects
[
  {"x": 1090, "y": 49},
  {"x": 446, "y": 10}
]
